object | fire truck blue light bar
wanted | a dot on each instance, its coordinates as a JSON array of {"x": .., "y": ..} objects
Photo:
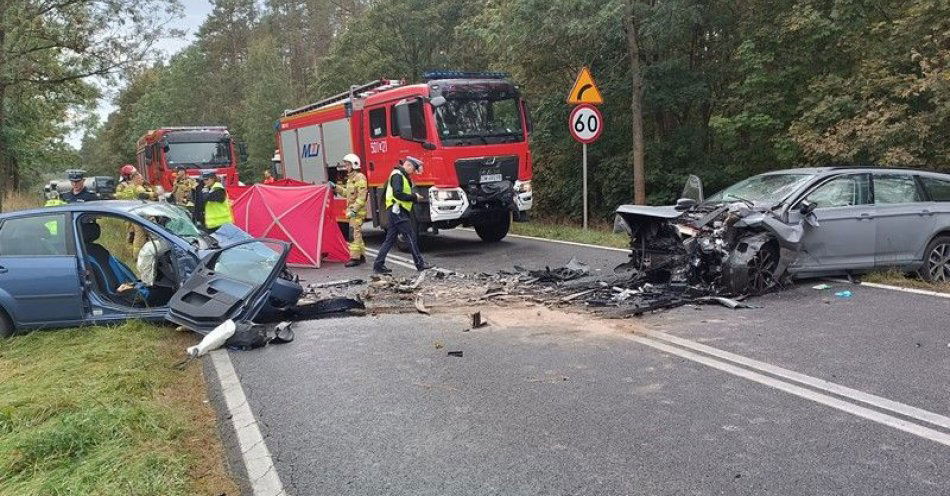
[{"x": 431, "y": 75}]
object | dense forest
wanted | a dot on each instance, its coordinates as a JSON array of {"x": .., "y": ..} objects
[{"x": 722, "y": 89}]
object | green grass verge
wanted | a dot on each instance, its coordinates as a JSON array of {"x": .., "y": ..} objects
[
  {"x": 100, "y": 411},
  {"x": 595, "y": 235},
  {"x": 895, "y": 277}
]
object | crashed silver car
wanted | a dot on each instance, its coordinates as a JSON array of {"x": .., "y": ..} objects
[{"x": 750, "y": 236}]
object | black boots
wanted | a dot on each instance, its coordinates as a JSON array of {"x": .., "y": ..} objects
[{"x": 355, "y": 261}]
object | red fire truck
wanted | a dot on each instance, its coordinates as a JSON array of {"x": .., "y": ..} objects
[
  {"x": 198, "y": 149},
  {"x": 469, "y": 129}
]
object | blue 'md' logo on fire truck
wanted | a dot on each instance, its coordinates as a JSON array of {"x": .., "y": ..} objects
[{"x": 310, "y": 150}]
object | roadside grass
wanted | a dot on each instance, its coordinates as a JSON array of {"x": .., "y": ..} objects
[
  {"x": 20, "y": 201},
  {"x": 99, "y": 410},
  {"x": 894, "y": 277},
  {"x": 597, "y": 234}
]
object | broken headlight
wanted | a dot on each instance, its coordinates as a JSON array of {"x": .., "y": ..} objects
[
  {"x": 445, "y": 194},
  {"x": 523, "y": 186}
]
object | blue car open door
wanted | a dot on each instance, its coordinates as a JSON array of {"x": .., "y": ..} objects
[{"x": 231, "y": 283}]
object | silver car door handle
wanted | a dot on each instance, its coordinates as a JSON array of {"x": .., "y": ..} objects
[
  {"x": 926, "y": 212},
  {"x": 866, "y": 216}
]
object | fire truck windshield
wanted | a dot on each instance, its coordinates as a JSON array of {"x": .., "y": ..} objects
[
  {"x": 480, "y": 120},
  {"x": 197, "y": 155}
]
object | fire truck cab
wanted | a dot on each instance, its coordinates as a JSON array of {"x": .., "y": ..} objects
[
  {"x": 202, "y": 148},
  {"x": 469, "y": 129}
]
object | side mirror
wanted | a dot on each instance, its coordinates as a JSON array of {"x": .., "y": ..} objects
[
  {"x": 148, "y": 153},
  {"x": 428, "y": 146},
  {"x": 242, "y": 151},
  {"x": 693, "y": 189},
  {"x": 684, "y": 204},
  {"x": 404, "y": 121},
  {"x": 806, "y": 207},
  {"x": 437, "y": 101}
]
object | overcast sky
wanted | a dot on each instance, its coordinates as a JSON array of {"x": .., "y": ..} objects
[{"x": 195, "y": 12}]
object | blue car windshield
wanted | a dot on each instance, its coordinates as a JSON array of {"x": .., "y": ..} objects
[{"x": 764, "y": 188}]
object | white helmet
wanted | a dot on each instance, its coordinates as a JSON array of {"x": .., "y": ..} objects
[
  {"x": 353, "y": 159},
  {"x": 276, "y": 157}
]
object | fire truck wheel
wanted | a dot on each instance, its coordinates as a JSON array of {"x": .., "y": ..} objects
[
  {"x": 345, "y": 229},
  {"x": 496, "y": 227}
]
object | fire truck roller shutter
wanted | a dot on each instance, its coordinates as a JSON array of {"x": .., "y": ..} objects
[
  {"x": 291, "y": 155},
  {"x": 311, "y": 154},
  {"x": 336, "y": 140}
]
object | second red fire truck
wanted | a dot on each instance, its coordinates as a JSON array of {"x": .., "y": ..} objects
[
  {"x": 201, "y": 148},
  {"x": 469, "y": 129}
]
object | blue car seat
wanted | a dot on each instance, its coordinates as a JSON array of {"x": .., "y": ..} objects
[{"x": 109, "y": 271}]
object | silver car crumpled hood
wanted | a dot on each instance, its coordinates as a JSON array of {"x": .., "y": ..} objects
[{"x": 712, "y": 246}]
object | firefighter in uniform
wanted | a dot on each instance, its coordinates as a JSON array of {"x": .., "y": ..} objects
[
  {"x": 355, "y": 193},
  {"x": 125, "y": 178},
  {"x": 399, "y": 202},
  {"x": 137, "y": 190},
  {"x": 183, "y": 188},
  {"x": 215, "y": 199}
]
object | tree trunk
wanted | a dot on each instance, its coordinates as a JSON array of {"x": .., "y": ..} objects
[
  {"x": 636, "y": 105},
  {"x": 3, "y": 147}
]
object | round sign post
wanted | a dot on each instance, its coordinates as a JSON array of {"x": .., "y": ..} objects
[{"x": 586, "y": 125}]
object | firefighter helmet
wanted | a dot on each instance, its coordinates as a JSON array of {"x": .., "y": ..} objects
[
  {"x": 353, "y": 159},
  {"x": 127, "y": 170}
]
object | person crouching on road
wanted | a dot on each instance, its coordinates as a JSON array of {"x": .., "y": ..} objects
[
  {"x": 355, "y": 193},
  {"x": 399, "y": 202},
  {"x": 78, "y": 193},
  {"x": 215, "y": 199}
]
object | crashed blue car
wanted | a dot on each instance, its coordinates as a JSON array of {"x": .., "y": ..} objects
[{"x": 75, "y": 265}]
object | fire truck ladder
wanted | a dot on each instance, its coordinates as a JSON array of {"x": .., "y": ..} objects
[{"x": 354, "y": 91}]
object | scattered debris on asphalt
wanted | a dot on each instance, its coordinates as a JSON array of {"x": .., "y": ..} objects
[
  {"x": 455, "y": 353},
  {"x": 821, "y": 286},
  {"x": 844, "y": 294},
  {"x": 477, "y": 322},
  {"x": 213, "y": 340},
  {"x": 420, "y": 306}
]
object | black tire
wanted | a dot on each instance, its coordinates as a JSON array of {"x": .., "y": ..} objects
[
  {"x": 936, "y": 266},
  {"x": 762, "y": 270},
  {"x": 495, "y": 229},
  {"x": 6, "y": 325}
]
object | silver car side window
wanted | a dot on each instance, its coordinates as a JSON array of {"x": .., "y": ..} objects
[
  {"x": 843, "y": 191},
  {"x": 892, "y": 189},
  {"x": 938, "y": 189}
]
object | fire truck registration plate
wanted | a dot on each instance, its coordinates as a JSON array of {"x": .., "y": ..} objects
[{"x": 490, "y": 178}]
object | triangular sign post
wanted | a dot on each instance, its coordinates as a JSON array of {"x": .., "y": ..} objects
[{"x": 584, "y": 90}]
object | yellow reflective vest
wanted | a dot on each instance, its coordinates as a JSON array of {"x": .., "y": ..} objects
[
  {"x": 218, "y": 213},
  {"x": 390, "y": 198}
]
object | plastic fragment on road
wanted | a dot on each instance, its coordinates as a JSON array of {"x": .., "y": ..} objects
[
  {"x": 214, "y": 340},
  {"x": 821, "y": 286},
  {"x": 420, "y": 306},
  {"x": 844, "y": 294},
  {"x": 455, "y": 353},
  {"x": 477, "y": 321}
]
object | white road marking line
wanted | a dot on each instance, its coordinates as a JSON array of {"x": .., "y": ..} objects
[
  {"x": 853, "y": 394},
  {"x": 866, "y": 413},
  {"x": 394, "y": 259},
  {"x": 261, "y": 471},
  {"x": 896, "y": 288},
  {"x": 558, "y": 241}
]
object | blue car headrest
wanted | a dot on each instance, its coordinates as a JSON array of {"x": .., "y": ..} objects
[{"x": 90, "y": 231}]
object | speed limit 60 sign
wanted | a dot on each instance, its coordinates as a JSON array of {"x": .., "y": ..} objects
[{"x": 586, "y": 123}]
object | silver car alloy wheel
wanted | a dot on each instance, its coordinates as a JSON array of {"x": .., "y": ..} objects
[{"x": 938, "y": 263}]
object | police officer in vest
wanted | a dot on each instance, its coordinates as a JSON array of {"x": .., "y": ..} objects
[
  {"x": 217, "y": 206},
  {"x": 399, "y": 202}
]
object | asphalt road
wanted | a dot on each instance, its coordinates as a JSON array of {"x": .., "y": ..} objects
[{"x": 552, "y": 403}]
